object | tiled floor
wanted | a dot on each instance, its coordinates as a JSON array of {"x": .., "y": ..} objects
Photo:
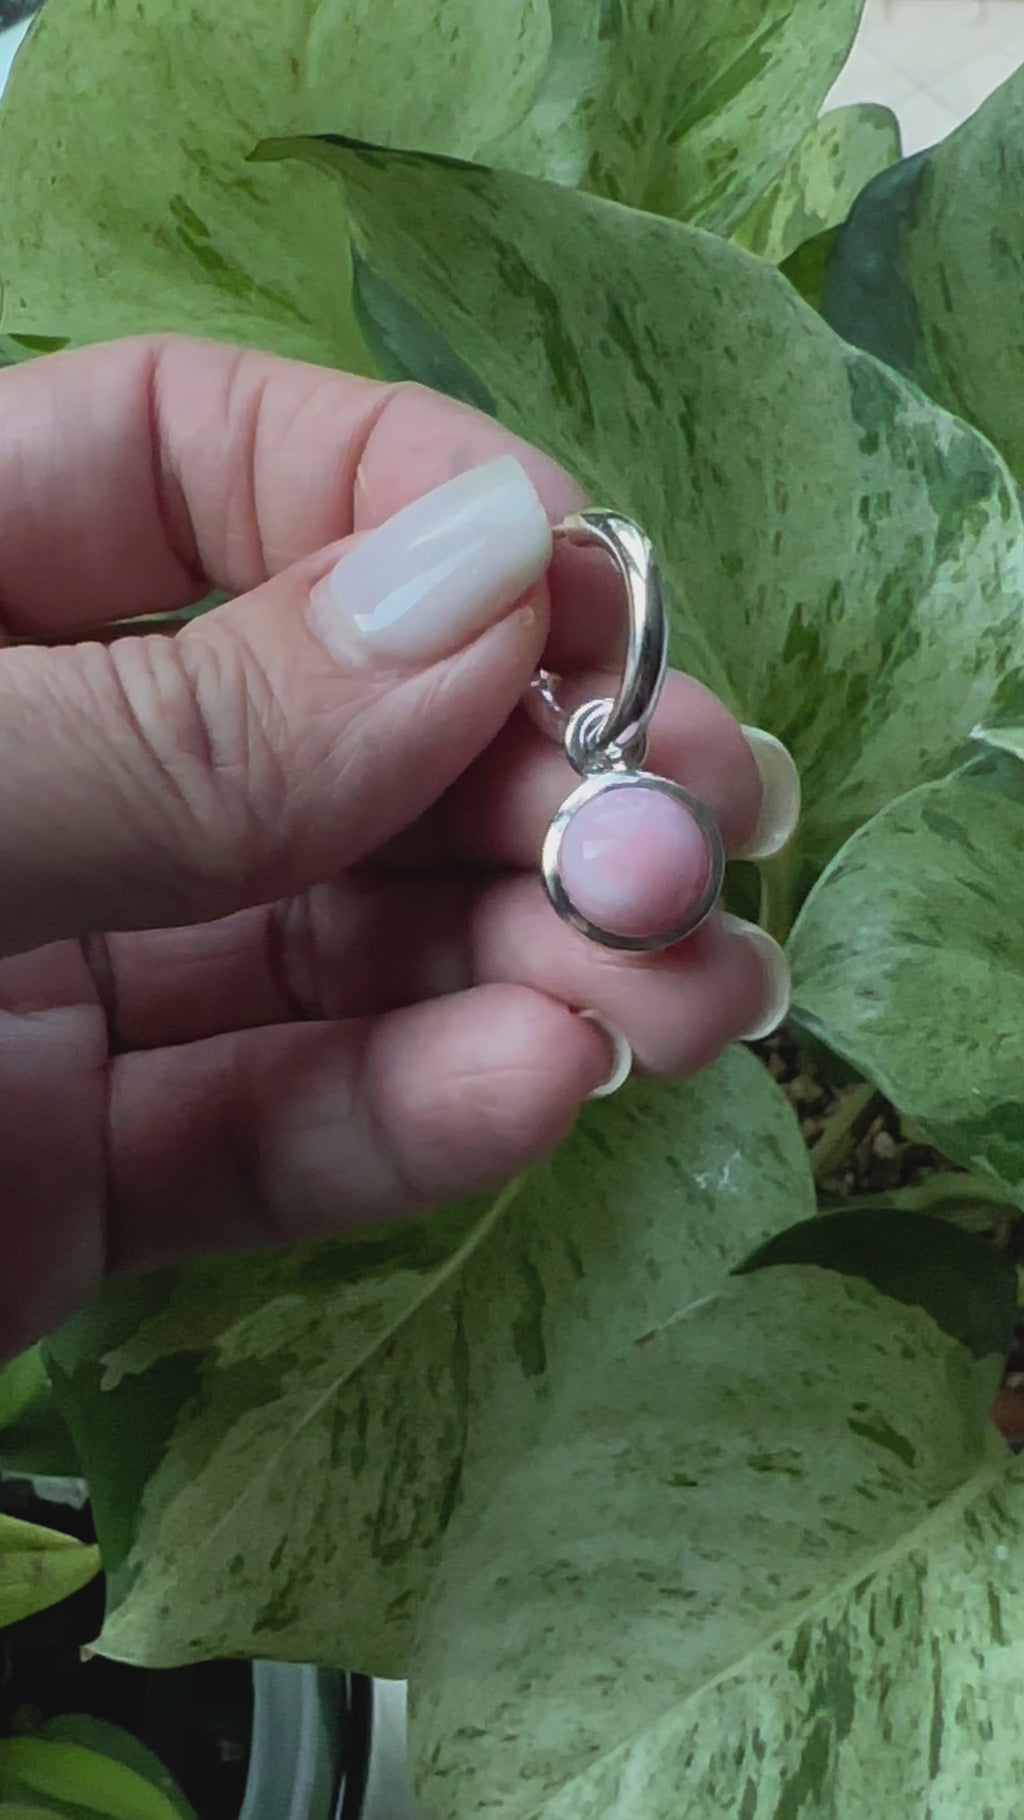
[{"x": 932, "y": 61}]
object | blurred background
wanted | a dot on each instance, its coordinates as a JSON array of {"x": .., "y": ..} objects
[{"x": 932, "y": 61}]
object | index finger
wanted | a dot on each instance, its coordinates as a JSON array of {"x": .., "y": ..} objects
[{"x": 138, "y": 475}]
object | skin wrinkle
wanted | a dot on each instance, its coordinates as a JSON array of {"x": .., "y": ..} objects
[
  {"x": 503, "y": 1078},
  {"x": 357, "y": 453},
  {"x": 243, "y": 1127},
  {"x": 236, "y": 754},
  {"x": 243, "y": 524},
  {"x": 90, "y": 697},
  {"x": 211, "y": 811},
  {"x": 172, "y": 509},
  {"x": 102, "y": 979},
  {"x": 344, "y": 488},
  {"x": 418, "y": 1148},
  {"x": 127, "y": 660},
  {"x": 18, "y": 458},
  {"x": 242, "y": 747},
  {"x": 289, "y": 943},
  {"x": 172, "y": 491},
  {"x": 254, "y": 435},
  {"x": 99, "y": 966},
  {"x": 303, "y": 959}
]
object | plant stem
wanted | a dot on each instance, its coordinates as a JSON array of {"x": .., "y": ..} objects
[
  {"x": 837, "y": 1133},
  {"x": 951, "y": 1185}
]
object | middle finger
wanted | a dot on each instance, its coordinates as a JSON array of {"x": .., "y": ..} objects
[{"x": 497, "y": 813}]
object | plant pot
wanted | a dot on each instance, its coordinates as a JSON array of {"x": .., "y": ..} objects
[
  {"x": 326, "y": 1746},
  {"x": 299, "y": 1727},
  {"x": 388, "y": 1792},
  {"x": 318, "y": 1744}
]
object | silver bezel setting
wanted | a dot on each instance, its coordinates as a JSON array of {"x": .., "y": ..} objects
[{"x": 598, "y": 784}]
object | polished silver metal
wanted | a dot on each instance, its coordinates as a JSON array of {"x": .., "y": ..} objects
[
  {"x": 621, "y": 731},
  {"x": 605, "y": 741}
]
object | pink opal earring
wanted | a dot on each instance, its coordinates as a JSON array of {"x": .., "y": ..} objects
[{"x": 630, "y": 860}]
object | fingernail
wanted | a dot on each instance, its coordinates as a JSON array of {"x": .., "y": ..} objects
[
  {"x": 622, "y": 1057},
  {"x": 780, "y": 795},
  {"x": 775, "y": 968},
  {"x": 437, "y": 574}
]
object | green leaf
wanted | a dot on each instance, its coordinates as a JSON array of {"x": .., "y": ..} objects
[
  {"x": 928, "y": 271},
  {"x": 834, "y": 160},
  {"x": 404, "y": 346},
  {"x": 689, "y": 110},
  {"x": 33, "y": 1435},
  {"x": 908, "y": 959},
  {"x": 773, "y": 1544},
  {"x": 38, "y": 1443},
  {"x": 112, "y": 1741},
  {"x": 666, "y": 105},
  {"x": 1003, "y": 737},
  {"x": 18, "y": 1810},
  {"x": 805, "y": 268},
  {"x": 99, "y": 239},
  {"x": 843, "y": 561},
  {"x": 303, "y": 1425},
  {"x": 959, "y": 1278},
  {"x": 79, "y": 1783},
  {"x": 22, "y": 1380},
  {"x": 1002, "y": 727},
  {"x": 39, "y": 1567},
  {"x": 14, "y": 349}
]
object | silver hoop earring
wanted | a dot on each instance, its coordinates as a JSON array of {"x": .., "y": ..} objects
[{"x": 606, "y": 741}]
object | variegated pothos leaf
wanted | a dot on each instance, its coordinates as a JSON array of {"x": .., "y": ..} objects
[
  {"x": 908, "y": 953},
  {"x": 844, "y": 561},
  {"x": 821, "y": 180},
  {"x": 928, "y": 271},
  {"x": 304, "y": 1426},
  {"x": 685, "y": 105},
  {"x": 765, "y": 1564}
]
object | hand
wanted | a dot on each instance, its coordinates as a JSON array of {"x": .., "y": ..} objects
[{"x": 277, "y": 958}]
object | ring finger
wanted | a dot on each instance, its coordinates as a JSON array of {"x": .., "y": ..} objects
[{"x": 371, "y": 944}]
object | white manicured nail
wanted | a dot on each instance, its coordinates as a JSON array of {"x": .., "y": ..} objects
[
  {"x": 780, "y": 795},
  {"x": 622, "y": 1059},
  {"x": 776, "y": 975},
  {"x": 437, "y": 574}
]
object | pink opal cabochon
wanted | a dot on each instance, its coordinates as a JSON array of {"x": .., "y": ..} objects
[{"x": 632, "y": 861}]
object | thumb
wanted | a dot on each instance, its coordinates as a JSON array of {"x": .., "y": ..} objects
[{"x": 272, "y": 743}]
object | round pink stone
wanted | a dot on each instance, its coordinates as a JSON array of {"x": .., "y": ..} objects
[{"x": 633, "y": 861}]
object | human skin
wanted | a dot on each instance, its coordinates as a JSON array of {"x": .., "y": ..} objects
[{"x": 276, "y": 958}]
